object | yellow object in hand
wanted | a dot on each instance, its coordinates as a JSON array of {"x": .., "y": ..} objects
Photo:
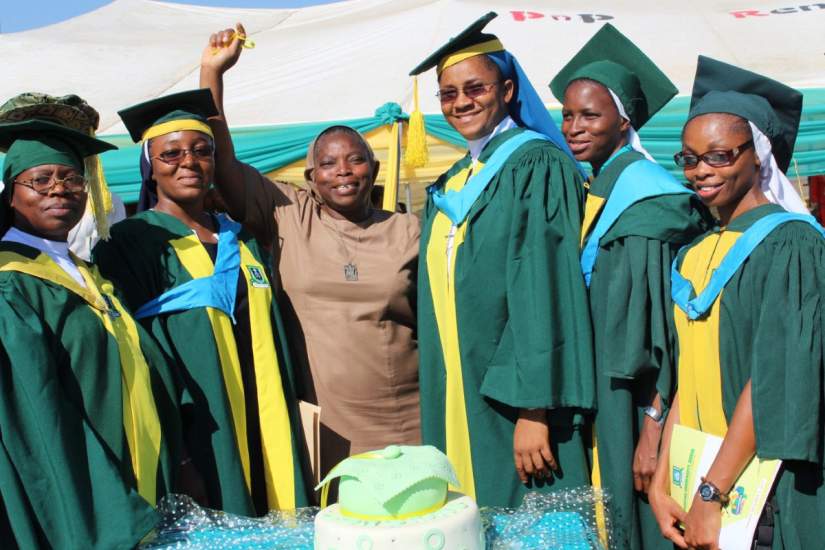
[{"x": 245, "y": 42}]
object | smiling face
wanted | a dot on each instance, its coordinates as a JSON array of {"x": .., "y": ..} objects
[
  {"x": 52, "y": 215},
  {"x": 732, "y": 189},
  {"x": 592, "y": 126},
  {"x": 187, "y": 181},
  {"x": 343, "y": 174},
  {"x": 477, "y": 117}
]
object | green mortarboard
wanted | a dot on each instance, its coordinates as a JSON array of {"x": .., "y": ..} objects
[
  {"x": 194, "y": 105},
  {"x": 612, "y": 60},
  {"x": 772, "y": 106},
  {"x": 36, "y": 142},
  {"x": 471, "y": 36}
]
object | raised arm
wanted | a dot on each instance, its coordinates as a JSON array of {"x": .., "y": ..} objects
[{"x": 221, "y": 53}]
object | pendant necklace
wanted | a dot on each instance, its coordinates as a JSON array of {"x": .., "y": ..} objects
[{"x": 350, "y": 268}]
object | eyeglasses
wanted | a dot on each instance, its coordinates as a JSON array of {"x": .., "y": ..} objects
[
  {"x": 473, "y": 91},
  {"x": 716, "y": 157},
  {"x": 176, "y": 156},
  {"x": 44, "y": 184}
]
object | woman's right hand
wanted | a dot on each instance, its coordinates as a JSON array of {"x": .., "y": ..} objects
[
  {"x": 667, "y": 511},
  {"x": 223, "y": 50}
]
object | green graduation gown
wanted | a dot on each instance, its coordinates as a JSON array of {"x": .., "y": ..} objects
[
  {"x": 503, "y": 321},
  {"x": 768, "y": 326},
  {"x": 633, "y": 344},
  {"x": 67, "y": 476},
  {"x": 241, "y": 422}
]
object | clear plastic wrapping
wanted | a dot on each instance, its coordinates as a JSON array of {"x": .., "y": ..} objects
[{"x": 570, "y": 519}]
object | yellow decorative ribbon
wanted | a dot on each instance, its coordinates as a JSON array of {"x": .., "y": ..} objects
[
  {"x": 140, "y": 417},
  {"x": 246, "y": 42},
  {"x": 387, "y": 517},
  {"x": 393, "y": 164},
  {"x": 176, "y": 126},
  {"x": 490, "y": 46}
]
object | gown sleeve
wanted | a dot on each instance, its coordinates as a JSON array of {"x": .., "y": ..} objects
[
  {"x": 544, "y": 358},
  {"x": 631, "y": 309},
  {"x": 62, "y": 487},
  {"x": 789, "y": 347}
]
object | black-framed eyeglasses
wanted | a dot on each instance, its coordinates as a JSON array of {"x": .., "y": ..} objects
[
  {"x": 472, "y": 91},
  {"x": 44, "y": 184},
  {"x": 176, "y": 155},
  {"x": 715, "y": 157}
]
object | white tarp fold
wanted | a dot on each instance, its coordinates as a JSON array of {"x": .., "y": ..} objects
[{"x": 343, "y": 60}]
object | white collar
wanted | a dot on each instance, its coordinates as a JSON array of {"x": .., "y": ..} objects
[
  {"x": 56, "y": 250},
  {"x": 476, "y": 146}
]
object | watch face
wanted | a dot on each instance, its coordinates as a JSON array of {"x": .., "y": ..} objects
[{"x": 706, "y": 492}]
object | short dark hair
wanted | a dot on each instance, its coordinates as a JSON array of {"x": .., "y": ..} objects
[{"x": 341, "y": 129}]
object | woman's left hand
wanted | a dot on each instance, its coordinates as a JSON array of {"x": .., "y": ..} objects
[{"x": 703, "y": 524}]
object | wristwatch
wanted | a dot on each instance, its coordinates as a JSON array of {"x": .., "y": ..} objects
[
  {"x": 657, "y": 416},
  {"x": 711, "y": 493}
]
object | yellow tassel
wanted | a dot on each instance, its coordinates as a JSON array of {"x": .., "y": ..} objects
[
  {"x": 100, "y": 198},
  {"x": 416, "y": 154}
]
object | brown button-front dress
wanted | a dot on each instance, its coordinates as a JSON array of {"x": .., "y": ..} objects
[{"x": 348, "y": 297}]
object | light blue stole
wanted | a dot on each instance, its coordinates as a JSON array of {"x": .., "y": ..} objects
[
  {"x": 682, "y": 290},
  {"x": 457, "y": 204},
  {"x": 217, "y": 291},
  {"x": 641, "y": 180}
]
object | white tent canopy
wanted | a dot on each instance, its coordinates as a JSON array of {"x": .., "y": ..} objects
[{"x": 342, "y": 60}]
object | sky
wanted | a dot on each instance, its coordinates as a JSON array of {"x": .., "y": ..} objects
[{"x": 30, "y": 14}]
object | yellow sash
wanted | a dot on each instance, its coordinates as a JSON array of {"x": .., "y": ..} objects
[
  {"x": 140, "y": 416},
  {"x": 276, "y": 430},
  {"x": 700, "y": 376},
  {"x": 592, "y": 208},
  {"x": 442, "y": 277}
]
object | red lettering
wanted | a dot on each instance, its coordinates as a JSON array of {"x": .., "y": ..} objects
[
  {"x": 518, "y": 15},
  {"x": 747, "y": 13},
  {"x": 534, "y": 15}
]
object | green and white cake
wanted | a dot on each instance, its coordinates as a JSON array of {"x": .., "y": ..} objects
[{"x": 397, "y": 498}]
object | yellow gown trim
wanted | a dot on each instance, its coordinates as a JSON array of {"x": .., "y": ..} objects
[
  {"x": 700, "y": 375},
  {"x": 441, "y": 271},
  {"x": 276, "y": 432},
  {"x": 140, "y": 417},
  {"x": 592, "y": 209}
]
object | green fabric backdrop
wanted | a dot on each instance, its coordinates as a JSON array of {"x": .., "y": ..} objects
[{"x": 270, "y": 147}]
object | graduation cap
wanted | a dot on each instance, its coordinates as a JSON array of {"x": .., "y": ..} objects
[
  {"x": 35, "y": 142},
  {"x": 526, "y": 107},
  {"x": 772, "y": 106},
  {"x": 468, "y": 43},
  {"x": 612, "y": 60},
  {"x": 172, "y": 113}
]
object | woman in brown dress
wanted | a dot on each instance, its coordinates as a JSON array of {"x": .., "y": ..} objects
[{"x": 347, "y": 277}]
